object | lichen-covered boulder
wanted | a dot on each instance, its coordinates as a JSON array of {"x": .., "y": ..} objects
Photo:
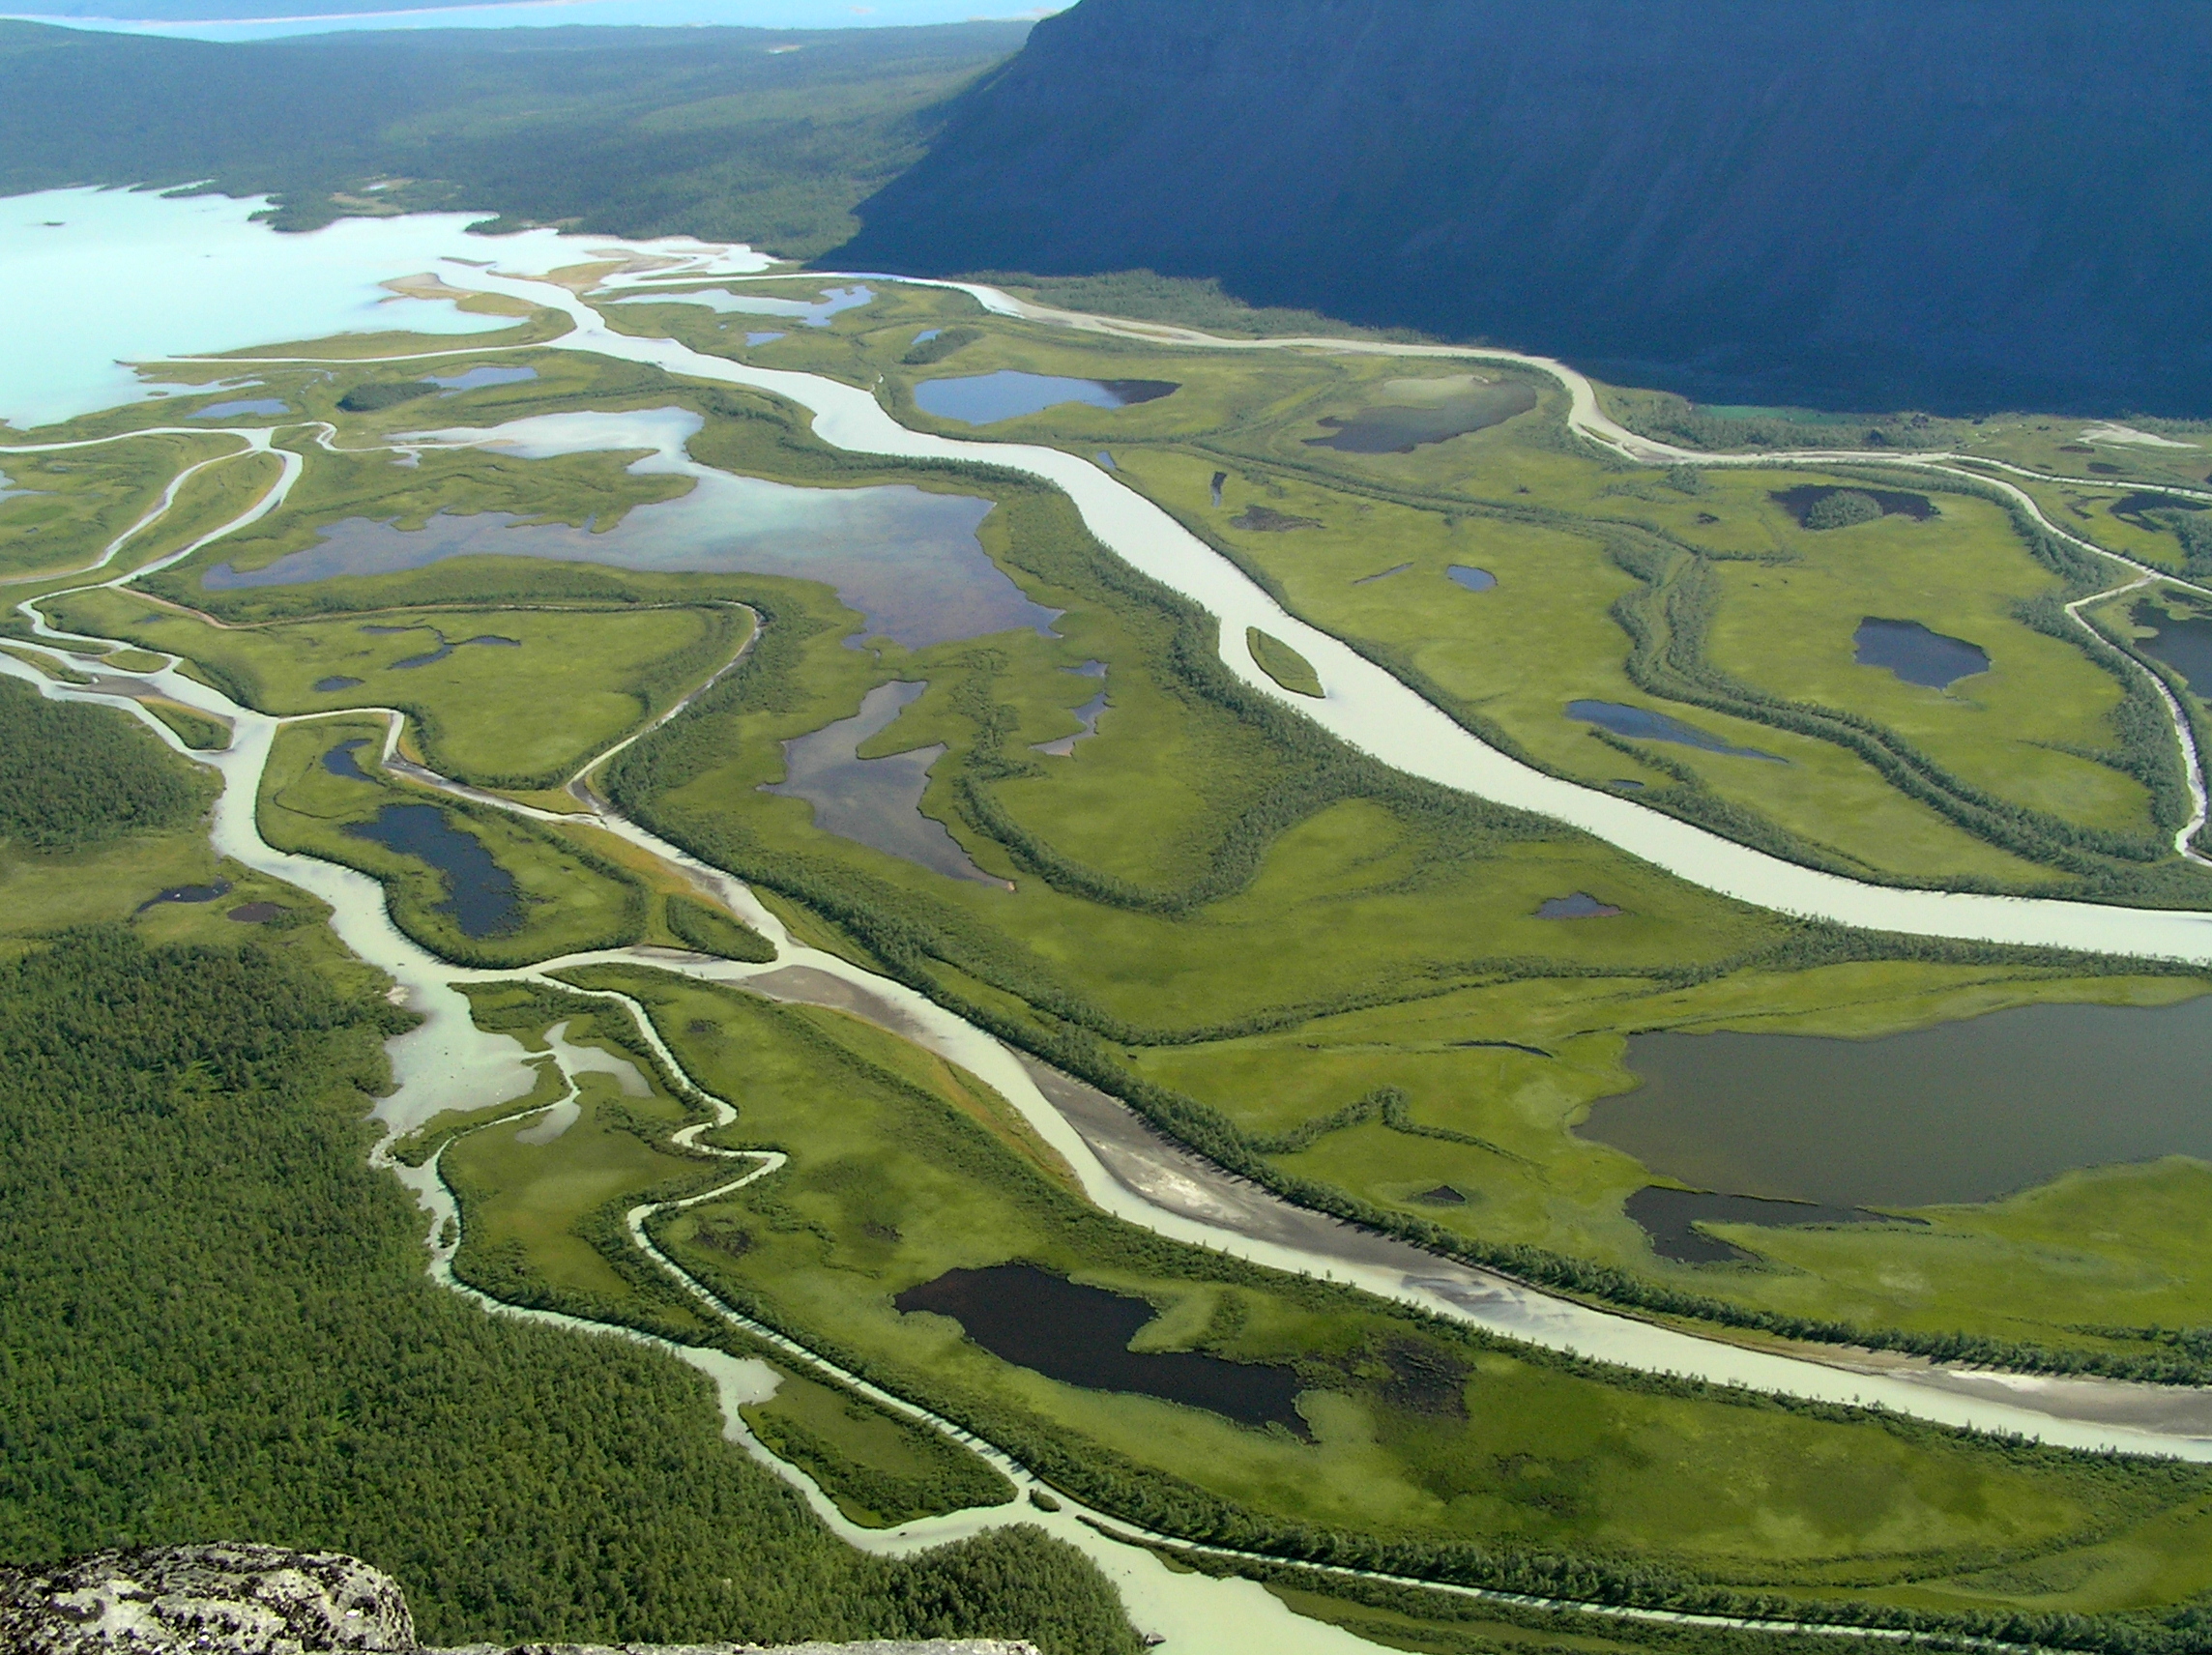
[{"x": 170, "y": 1600}]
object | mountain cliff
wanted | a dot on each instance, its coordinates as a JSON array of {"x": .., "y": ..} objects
[{"x": 1873, "y": 203}]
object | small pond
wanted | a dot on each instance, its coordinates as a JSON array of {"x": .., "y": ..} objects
[
  {"x": 1080, "y": 1336},
  {"x": 332, "y": 686},
  {"x": 1064, "y": 747},
  {"x": 812, "y": 313},
  {"x": 252, "y": 406},
  {"x": 479, "y": 376},
  {"x": 1577, "y": 905},
  {"x": 187, "y": 893},
  {"x": 339, "y": 761},
  {"x": 907, "y": 559},
  {"x": 1107, "y": 460},
  {"x": 1962, "y": 1111},
  {"x": 429, "y": 657},
  {"x": 481, "y": 898},
  {"x": 256, "y": 912},
  {"x": 985, "y": 399},
  {"x": 1383, "y": 574},
  {"x": 875, "y": 802},
  {"x": 2184, "y": 645},
  {"x": 1670, "y": 1218},
  {"x": 1916, "y": 655},
  {"x": 1644, "y": 725},
  {"x": 1417, "y": 412},
  {"x": 1472, "y": 578},
  {"x": 1894, "y": 503}
]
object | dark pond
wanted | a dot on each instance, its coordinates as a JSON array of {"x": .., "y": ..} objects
[
  {"x": 1962, "y": 1111},
  {"x": 875, "y": 802},
  {"x": 255, "y": 912},
  {"x": 1444, "y": 1194},
  {"x": 340, "y": 762},
  {"x": 187, "y": 893},
  {"x": 1383, "y": 574},
  {"x": 1916, "y": 655},
  {"x": 2130, "y": 508},
  {"x": 1064, "y": 747},
  {"x": 1080, "y": 1336},
  {"x": 1219, "y": 477},
  {"x": 481, "y": 897},
  {"x": 430, "y": 657},
  {"x": 1388, "y": 429},
  {"x": 332, "y": 686},
  {"x": 1670, "y": 1218},
  {"x": 2184, "y": 644},
  {"x": 1644, "y": 725},
  {"x": 1472, "y": 578},
  {"x": 258, "y": 405},
  {"x": 1266, "y": 520},
  {"x": 1627, "y": 784},
  {"x": 1894, "y": 503},
  {"x": 985, "y": 399},
  {"x": 1579, "y": 905},
  {"x": 908, "y": 559},
  {"x": 483, "y": 374}
]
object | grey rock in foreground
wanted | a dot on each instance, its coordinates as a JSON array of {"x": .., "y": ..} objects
[
  {"x": 264, "y": 1600},
  {"x": 220, "y": 1600}
]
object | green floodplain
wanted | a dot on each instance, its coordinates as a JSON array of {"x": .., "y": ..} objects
[{"x": 1316, "y": 971}]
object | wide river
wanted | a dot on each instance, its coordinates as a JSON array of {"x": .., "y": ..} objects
[{"x": 447, "y": 1062}]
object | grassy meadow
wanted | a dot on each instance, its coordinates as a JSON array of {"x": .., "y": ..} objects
[{"x": 1422, "y": 1438}]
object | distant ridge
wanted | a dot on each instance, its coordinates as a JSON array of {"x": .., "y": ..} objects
[{"x": 1873, "y": 203}]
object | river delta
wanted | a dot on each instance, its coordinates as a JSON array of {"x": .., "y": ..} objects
[{"x": 922, "y": 569}]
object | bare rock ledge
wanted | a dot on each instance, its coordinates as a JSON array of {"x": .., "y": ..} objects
[{"x": 264, "y": 1600}]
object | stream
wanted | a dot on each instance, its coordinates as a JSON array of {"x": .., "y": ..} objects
[{"x": 1122, "y": 1166}]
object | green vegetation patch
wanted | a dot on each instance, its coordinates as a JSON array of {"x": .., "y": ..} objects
[
  {"x": 881, "y": 1469},
  {"x": 219, "y": 1324},
  {"x": 553, "y": 687},
  {"x": 707, "y": 929},
  {"x": 567, "y": 897},
  {"x": 1282, "y": 663},
  {"x": 75, "y": 776},
  {"x": 376, "y": 395},
  {"x": 1431, "y": 1448}
]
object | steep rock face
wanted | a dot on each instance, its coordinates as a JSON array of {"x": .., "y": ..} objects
[{"x": 1959, "y": 202}]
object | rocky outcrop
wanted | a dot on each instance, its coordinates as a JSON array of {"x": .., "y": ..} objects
[
  {"x": 1893, "y": 202},
  {"x": 239, "y": 1600},
  {"x": 264, "y": 1600}
]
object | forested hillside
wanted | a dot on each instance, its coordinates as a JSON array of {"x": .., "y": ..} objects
[
  {"x": 1859, "y": 203},
  {"x": 750, "y": 134}
]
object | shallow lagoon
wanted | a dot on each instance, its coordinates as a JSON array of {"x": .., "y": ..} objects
[
  {"x": 1962, "y": 1111},
  {"x": 1641, "y": 723},
  {"x": 815, "y": 314},
  {"x": 905, "y": 557},
  {"x": 986, "y": 398},
  {"x": 875, "y": 802}
]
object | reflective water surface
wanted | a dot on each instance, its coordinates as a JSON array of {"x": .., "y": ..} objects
[{"x": 1962, "y": 1111}]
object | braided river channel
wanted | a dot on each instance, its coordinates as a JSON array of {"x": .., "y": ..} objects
[{"x": 447, "y": 1062}]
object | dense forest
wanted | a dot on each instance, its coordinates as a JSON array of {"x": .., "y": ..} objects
[
  {"x": 751, "y": 134},
  {"x": 215, "y": 1324},
  {"x": 74, "y": 775}
]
